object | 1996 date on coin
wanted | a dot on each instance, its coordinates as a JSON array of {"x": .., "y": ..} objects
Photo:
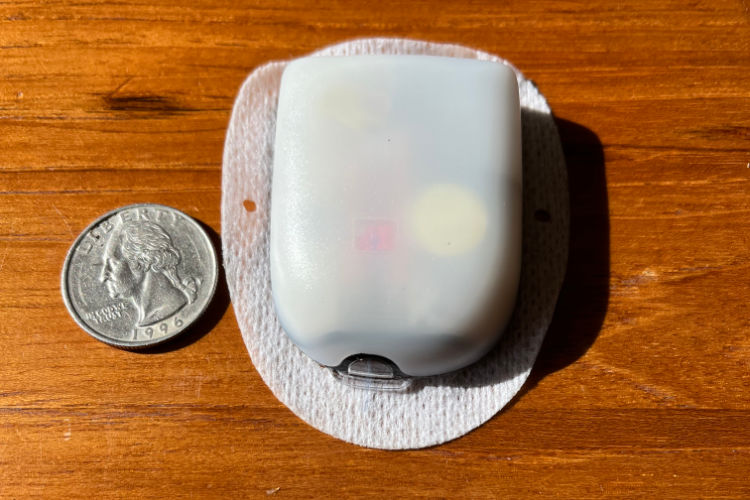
[{"x": 139, "y": 275}]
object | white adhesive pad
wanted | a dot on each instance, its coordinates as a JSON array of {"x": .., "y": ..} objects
[{"x": 434, "y": 409}]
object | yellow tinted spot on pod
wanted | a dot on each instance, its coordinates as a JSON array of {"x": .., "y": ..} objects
[
  {"x": 354, "y": 107},
  {"x": 448, "y": 220}
]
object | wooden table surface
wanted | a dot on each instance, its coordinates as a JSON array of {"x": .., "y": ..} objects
[{"x": 641, "y": 388}]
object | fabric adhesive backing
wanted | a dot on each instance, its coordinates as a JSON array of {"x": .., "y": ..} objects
[{"x": 434, "y": 409}]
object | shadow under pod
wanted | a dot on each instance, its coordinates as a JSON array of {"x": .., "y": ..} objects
[{"x": 582, "y": 303}]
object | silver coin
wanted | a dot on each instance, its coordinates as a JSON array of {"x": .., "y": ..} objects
[{"x": 139, "y": 275}]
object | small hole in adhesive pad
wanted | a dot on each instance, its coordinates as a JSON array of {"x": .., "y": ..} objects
[
  {"x": 249, "y": 205},
  {"x": 542, "y": 215}
]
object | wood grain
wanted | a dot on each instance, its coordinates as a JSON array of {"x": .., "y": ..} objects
[{"x": 641, "y": 389}]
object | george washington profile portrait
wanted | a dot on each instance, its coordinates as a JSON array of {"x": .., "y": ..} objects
[{"x": 140, "y": 265}]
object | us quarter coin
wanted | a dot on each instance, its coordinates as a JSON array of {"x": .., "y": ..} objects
[{"x": 139, "y": 275}]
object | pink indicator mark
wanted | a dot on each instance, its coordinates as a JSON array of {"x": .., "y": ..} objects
[{"x": 374, "y": 235}]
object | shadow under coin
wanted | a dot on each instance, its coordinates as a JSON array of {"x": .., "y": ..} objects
[{"x": 210, "y": 317}]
